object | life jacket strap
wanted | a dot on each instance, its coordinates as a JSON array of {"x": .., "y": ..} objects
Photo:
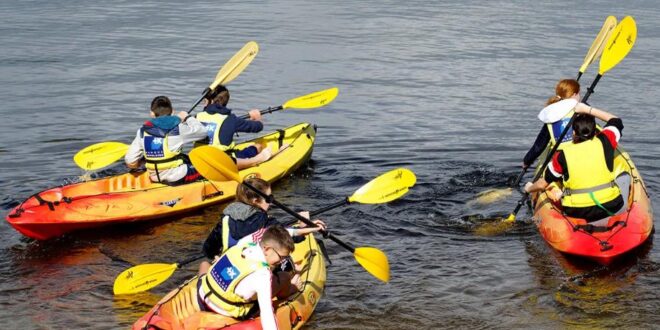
[{"x": 568, "y": 191}]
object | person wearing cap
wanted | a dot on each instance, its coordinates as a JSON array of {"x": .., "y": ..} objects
[
  {"x": 554, "y": 121},
  {"x": 221, "y": 125},
  {"x": 585, "y": 167}
]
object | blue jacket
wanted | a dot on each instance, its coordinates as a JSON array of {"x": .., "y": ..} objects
[{"x": 233, "y": 124}]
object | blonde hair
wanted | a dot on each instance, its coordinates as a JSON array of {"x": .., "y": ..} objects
[{"x": 564, "y": 89}]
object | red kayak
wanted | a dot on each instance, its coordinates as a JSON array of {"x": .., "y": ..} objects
[{"x": 605, "y": 240}]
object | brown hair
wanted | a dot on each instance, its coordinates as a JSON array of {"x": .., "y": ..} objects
[
  {"x": 161, "y": 106},
  {"x": 278, "y": 236},
  {"x": 564, "y": 89},
  {"x": 248, "y": 196},
  {"x": 219, "y": 96}
]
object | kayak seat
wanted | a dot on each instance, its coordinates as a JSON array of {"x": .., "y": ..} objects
[{"x": 623, "y": 181}]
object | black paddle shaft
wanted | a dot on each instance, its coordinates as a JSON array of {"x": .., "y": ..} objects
[
  {"x": 265, "y": 111},
  {"x": 548, "y": 157},
  {"x": 298, "y": 216}
]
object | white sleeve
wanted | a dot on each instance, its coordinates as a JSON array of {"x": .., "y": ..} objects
[
  {"x": 265, "y": 300},
  {"x": 134, "y": 152},
  {"x": 192, "y": 130}
]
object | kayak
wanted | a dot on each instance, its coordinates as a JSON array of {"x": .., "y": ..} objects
[
  {"x": 180, "y": 310},
  {"x": 605, "y": 240},
  {"x": 133, "y": 197}
]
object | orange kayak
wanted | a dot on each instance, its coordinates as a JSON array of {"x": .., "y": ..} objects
[
  {"x": 133, "y": 197},
  {"x": 608, "y": 239},
  {"x": 179, "y": 310}
]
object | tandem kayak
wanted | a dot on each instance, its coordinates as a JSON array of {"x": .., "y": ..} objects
[
  {"x": 133, "y": 197},
  {"x": 605, "y": 240},
  {"x": 180, "y": 310}
]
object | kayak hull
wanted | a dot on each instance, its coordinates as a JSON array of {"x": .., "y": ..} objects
[
  {"x": 608, "y": 239},
  {"x": 133, "y": 197},
  {"x": 179, "y": 309}
]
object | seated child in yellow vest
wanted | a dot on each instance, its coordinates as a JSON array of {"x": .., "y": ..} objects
[
  {"x": 242, "y": 279},
  {"x": 247, "y": 217},
  {"x": 222, "y": 125},
  {"x": 159, "y": 141}
]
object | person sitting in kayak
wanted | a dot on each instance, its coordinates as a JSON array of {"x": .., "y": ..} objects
[
  {"x": 221, "y": 126},
  {"x": 242, "y": 279},
  {"x": 247, "y": 216},
  {"x": 585, "y": 166},
  {"x": 159, "y": 141},
  {"x": 554, "y": 123}
]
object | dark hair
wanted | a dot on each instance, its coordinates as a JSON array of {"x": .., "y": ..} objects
[
  {"x": 584, "y": 127},
  {"x": 220, "y": 95},
  {"x": 277, "y": 235},
  {"x": 563, "y": 90},
  {"x": 161, "y": 106},
  {"x": 246, "y": 195}
]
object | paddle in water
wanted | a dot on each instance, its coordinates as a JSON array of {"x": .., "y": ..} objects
[
  {"x": 386, "y": 187},
  {"x": 597, "y": 46}
]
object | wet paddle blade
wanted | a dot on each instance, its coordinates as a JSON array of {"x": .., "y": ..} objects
[
  {"x": 142, "y": 278},
  {"x": 494, "y": 228},
  {"x": 313, "y": 100},
  {"x": 619, "y": 44},
  {"x": 214, "y": 164},
  {"x": 100, "y": 155},
  {"x": 386, "y": 187},
  {"x": 374, "y": 261},
  {"x": 491, "y": 196},
  {"x": 236, "y": 64},
  {"x": 597, "y": 46}
]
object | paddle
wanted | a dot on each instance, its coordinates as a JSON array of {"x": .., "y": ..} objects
[
  {"x": 214, "y": 164},
  {"x": 596, "y": 49},
  {"x": 231, "y": 69},
  {"x": 384, "y": 188},
  {"x": 102, "y": 154},
  {"x": 99, "y": 155},
  {"x": 310, "y": 101},
  {"x": 617, "y": 47}
]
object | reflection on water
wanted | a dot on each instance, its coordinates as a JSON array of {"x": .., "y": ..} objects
[{"x": 448, "y": 89}]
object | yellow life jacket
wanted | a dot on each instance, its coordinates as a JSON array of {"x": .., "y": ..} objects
[
  {"x": 213, "y": 122},
  {"x": 557, "y": 127},
  {"x": 590, "y": 182},
  {"x": 219, "y": 284},
  {"x": 158, "y": 155},
  {"x": 227, "y": 240}
]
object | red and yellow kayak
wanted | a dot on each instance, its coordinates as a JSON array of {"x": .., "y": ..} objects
[
  {"x": 133, "y": 197},
  {"x": 179, "y": 310},
  {"x": 605, "y": 240}
]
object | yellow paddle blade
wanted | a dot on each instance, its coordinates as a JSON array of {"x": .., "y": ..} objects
[
  {"x": 142, "y": 278},
  {"x": 214, "y": 164},
  {"x": 619, "y": 44},
  {"x": 236, "y": 64},
  {"x": 386, "y": 187},
  {"x": 313, "y": 100},
  {"x": 598, "y": 45},
  {"x": 100, "y": 155},
  {"x": 491, "y": 196},
  {"x": 374, "y": 261},
  {"x": 494, "y": 228}
]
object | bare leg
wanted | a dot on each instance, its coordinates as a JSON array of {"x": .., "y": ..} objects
[{"x": 203, "y": 267}]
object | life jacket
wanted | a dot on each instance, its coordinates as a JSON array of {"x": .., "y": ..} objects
[
  {"x": 590, "y": 182},
  {"x": 227, "y": 240},
  {"x": 219, "y": 283},
  {"x": 557, "y": 127},
  {"x": 157, "y": 154},
  {"x": 213, "y": 122}
]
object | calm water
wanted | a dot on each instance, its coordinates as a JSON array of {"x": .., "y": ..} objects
[{"x": 449, "y": 89}]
